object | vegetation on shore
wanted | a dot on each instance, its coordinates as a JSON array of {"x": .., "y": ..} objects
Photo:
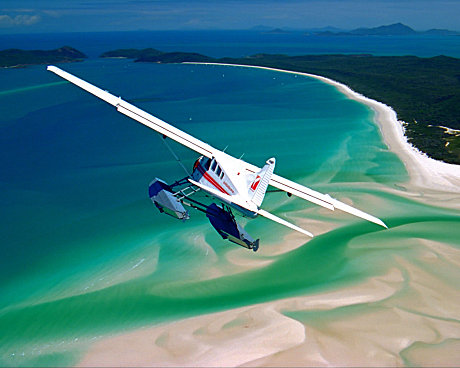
[
  {"x": 131, "y": 53},
  {"x": 156, "y": 56},
  {"x": 424, "y": 92},
  {"x": 18, "y": 58}
]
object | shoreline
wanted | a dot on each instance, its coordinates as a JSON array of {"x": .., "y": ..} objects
[
  {"x": 424, "y": 172},
  {"x": 409, "y": 303}
]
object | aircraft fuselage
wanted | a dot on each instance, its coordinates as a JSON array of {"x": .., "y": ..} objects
[{"x": 209, "y": 173}]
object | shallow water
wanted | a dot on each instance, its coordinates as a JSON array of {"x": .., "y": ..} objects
[{"x": 85, "y": 253}]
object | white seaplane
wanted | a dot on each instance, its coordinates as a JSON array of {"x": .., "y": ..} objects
[{"x": 232, "y": 182}]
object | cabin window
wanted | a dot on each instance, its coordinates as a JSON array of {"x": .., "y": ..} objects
[
  {"x": 213, "y": 167},
  {"x": 222, "y": 175},
  {"x": 219, "y": 170},
  {"x": 207, "y": 164}
]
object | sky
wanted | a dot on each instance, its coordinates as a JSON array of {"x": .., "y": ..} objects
[{"x": 37, "y": 16}]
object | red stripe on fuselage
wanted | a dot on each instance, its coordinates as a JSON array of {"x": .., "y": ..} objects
[{"x": 210, "y": 179}]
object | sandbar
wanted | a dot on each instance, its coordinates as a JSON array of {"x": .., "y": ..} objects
[
  {"x": 407, "y": 316},
  {"x": 335, "y": 328}
]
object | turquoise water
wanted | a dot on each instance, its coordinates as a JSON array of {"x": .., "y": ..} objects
[{"x": 84, "y": 252}]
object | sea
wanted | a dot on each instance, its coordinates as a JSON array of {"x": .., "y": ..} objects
[{"x": 86, "y": 255}]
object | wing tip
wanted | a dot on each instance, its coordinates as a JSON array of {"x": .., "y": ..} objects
[
  {"x": 377, "y": 221},
  {"x": 308, "y": 233}
]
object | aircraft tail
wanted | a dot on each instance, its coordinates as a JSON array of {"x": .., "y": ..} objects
[{"x": 259, "y": 185}]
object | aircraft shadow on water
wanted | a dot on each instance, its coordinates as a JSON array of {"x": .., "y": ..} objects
[{"x": 231, "y": 182}]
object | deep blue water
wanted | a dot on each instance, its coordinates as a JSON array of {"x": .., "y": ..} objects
[
  {"x": 76, "y": 218},
  {"x": 238, "y": 43},
  {"x": 84, "y": 252}
]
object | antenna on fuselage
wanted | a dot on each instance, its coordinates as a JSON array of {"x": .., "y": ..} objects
[{"x": 241, "y": 156}]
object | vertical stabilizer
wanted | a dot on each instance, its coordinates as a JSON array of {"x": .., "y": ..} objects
[{"x": 259, "y": 185}]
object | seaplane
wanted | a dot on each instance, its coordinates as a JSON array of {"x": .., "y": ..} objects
[{"x": 231, "y": 183}]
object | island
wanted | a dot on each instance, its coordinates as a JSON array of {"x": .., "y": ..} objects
[
  {"x": 156, "y": 56},
  {"x": 397, "y": 29},
  {"x": 19, "y": 58},
  {"x": 424, "y": 92}
]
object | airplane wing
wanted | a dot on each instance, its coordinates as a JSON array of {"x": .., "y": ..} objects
[
  {"x": 324, "y": 200},
  {"x": 205, "y": 149},
  {"x": 137, "y": 114}
]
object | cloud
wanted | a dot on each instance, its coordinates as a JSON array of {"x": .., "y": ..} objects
[
  {"x": 18, "y": 20},
  {"x": 110, "y": 15}
]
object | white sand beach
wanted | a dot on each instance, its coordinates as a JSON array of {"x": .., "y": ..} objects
[
  {"x": 424, "y": 171},
  {"x": 406, "y": 316}
]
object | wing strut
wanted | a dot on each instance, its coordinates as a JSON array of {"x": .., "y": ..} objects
[
  {"x": 139, "y": 115},
  {"x": 205, "y": 149},
  {"x": 163, "y": 138}
]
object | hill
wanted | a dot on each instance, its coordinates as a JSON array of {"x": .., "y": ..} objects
[
  {"x": 132, "y": 53},
  {"x": 156, "y": 56},
  {"x": 16, "y": 58},
  {"x": 397, "y": 29}
]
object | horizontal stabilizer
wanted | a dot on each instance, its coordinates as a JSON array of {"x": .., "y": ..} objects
[{"x": 283, "y": 222}]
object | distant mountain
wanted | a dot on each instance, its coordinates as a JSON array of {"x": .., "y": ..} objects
[
  {"x": 326, "y": 29},
  {"x": 286, "y": 29},
  {"x": 441, "y": 32},
  {"x": 397, "y": 29},
  {"x": 261, "y": 28},
  {"x": 277, "y": 31}
]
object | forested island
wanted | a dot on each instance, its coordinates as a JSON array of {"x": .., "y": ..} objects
[
  {"x": 157, "y": 56},
  {"x": 425, "y": 92},
  {"x": 19, "y": 58}
]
